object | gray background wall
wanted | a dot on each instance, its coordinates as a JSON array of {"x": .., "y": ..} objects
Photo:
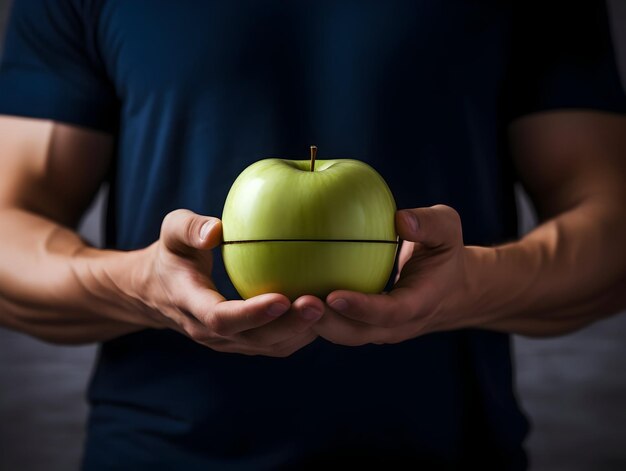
[{"x": 573, "y": 387}]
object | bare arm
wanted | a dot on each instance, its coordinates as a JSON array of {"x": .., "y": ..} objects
[
  {"x": 567, "y": 273},
  {"x": 570, "y": 270},
  {"x": 55, "y": 287},
  {"x": 49, "y": 172}
]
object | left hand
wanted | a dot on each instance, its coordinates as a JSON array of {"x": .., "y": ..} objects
[{"x": 429, "y": 294}]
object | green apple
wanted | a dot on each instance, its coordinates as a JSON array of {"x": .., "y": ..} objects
[{"x": 296, "y": 227}]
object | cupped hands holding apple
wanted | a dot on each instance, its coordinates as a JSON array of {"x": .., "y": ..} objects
[
  {"x": 331, "y": 232},
  {"x": 310, "y": 251}
]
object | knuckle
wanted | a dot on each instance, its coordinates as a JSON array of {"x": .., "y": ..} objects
[
  {"x": 216, "y": 324},
  {"x": 197, "y": 333},
  {"x": 191, "y": 229},
  {"x": 181, "y": 226},
  {"x": 175, "y": 297},
  {"x": 187, "y": 231},
  {"x": 445, "y": 209},
  {"x": 452, "y": 216},
  {"x": 170, "y": 218},
  {"x": 450, "y": 210},
  {"x": 167, "y": 220}
]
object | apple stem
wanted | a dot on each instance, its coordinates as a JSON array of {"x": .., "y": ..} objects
[{"x": 313, "y": 155}]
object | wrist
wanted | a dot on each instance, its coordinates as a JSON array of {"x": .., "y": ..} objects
[
  {"x": 112, "y": 282},
  {"x": 502, "y": 282},
  {"x": 484, "y": 293}
]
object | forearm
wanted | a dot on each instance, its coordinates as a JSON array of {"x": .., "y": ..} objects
[
  {"x": 567, "y": 273},
  {"x": 46, "y": 286}
]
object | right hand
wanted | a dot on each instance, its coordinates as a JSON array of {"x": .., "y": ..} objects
[{"x": 177, "y": 292}]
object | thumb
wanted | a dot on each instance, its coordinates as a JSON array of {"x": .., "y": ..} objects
[
  {"x": 437, "y": 226},
  {"x": 184, "y": 231}
]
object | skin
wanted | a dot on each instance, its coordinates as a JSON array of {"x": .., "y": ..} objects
[
  {"x": 565, "y": 274},
  {"x": 55, "y": 287}
]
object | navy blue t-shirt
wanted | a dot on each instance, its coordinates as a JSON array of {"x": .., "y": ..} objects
[{"x": 423, "y": 90}]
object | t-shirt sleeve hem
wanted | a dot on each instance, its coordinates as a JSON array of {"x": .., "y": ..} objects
[
  {"x": 28, "y": 92},
  {"x": 617, "y": 108}
]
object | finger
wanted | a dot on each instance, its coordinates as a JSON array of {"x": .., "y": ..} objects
[
  {"x": 189, "y": 306},
  {"x": 343, "y": 331},
  {"x": 385, "y": 310},
  {"x": 405, "y": 253},
  {"x": 228, "y": 318},
  {"x": 281, "y": 350},
  {"x": 434, "y": 227},
  {"x": 305, "y": 311},
  {"x": 184, "y": 231},
  {"x": 292, "y": 345}
]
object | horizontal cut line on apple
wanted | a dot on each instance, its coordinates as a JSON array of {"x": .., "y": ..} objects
[{"x": 229, "y": 242}]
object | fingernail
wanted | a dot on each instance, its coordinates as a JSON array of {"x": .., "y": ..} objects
[
  {"x": 339, "y": 305},
  {"x": 206, "y": 228},
  {"x": 411, "y": 221},
  {"x": 311, "y": 314},
  {"x": 277, "y": 309}
]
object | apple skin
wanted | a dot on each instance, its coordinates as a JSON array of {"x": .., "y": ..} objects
[{"x": 292, "y": 231}]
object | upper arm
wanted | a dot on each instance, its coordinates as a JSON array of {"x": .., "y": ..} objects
[
  {"x": 58, "y": 109},
  {"x": 565, "y": 105},
  {"x": 566, "y": 157},
  {"x": 50, "y": 168}
]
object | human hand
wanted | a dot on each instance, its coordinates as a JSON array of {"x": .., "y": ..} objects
[
  {"x": 176, "y": 291},
  {"x": 430, "y": 290}
]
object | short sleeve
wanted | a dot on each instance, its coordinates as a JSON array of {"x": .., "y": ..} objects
[
  {"x": 50, "y": 68},
  {"x": 561, "y": 56}
]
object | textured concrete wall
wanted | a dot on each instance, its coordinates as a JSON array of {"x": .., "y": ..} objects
[{"x": 573, "y": 387}]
